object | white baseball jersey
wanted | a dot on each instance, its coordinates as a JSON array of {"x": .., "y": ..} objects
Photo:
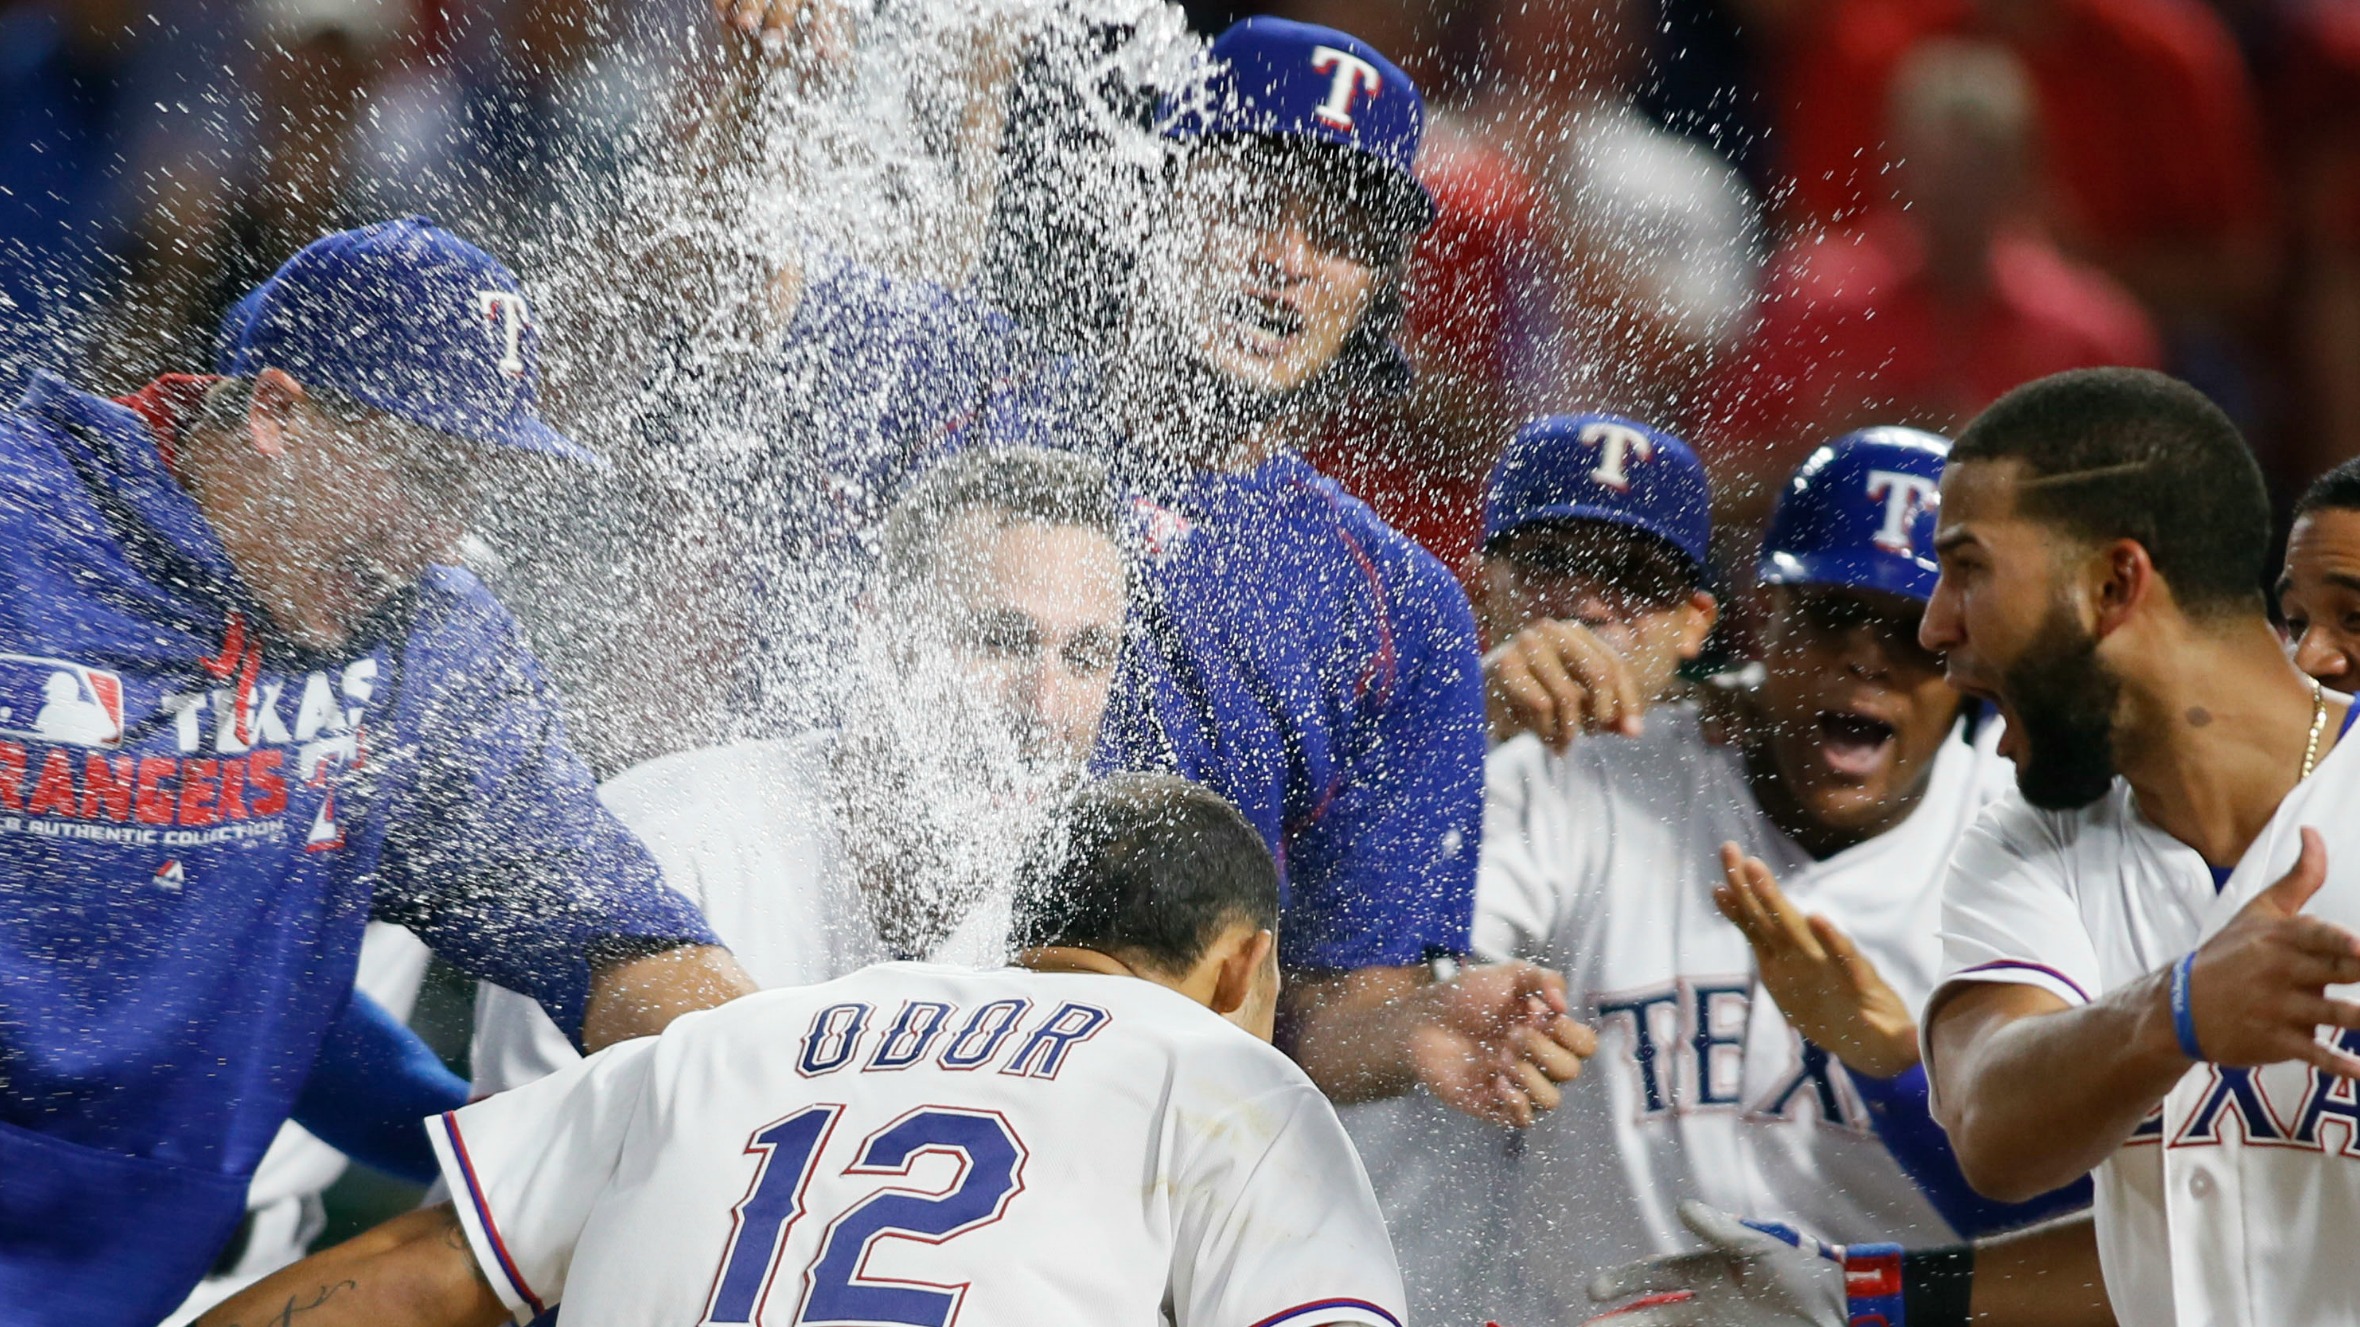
[
  {"x": 2230, "y": 1203},
  {"x": 1601, "y": 863},
  {"x": 745, "y": 832},
  {"x": 914, "y": 1144}
]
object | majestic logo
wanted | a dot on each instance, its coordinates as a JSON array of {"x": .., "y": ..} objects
[
  {"x": 1618, "y": 445},
  {"x": 1905, "y": 496},
  {"x": 505, "y": 316},
  {"x": 1351, "y": 77},
  {"x": 57, "y": 700}
]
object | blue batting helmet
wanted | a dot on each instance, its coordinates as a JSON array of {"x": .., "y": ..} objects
[
  {"x": 1860, "y": 513},
  {"x": 1603, "y": 468}
]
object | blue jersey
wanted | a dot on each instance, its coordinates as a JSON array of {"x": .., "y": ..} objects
[
  {"x": 1297, "y": 654},
  {"x": 195, "y": 824},
  {"x": 1319, "y": 670}
]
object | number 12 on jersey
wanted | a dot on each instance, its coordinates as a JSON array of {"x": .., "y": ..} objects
[{"x": 836, "y": 1290}]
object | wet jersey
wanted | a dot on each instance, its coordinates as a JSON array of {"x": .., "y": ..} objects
[
  {"x": 914, "y": 1144},
  {"x": 197, "y": 822},
  {"x": 747, "y": 832},
  {"x": 2229, "y": 1203},
  {"x": 1601, "y": 863}
]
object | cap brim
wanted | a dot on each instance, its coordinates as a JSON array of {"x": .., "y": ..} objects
[
  {"x": 1905, "y": 577},
  {"x": 1583, "y": 512},
  {"x": 531, "y": 435}
]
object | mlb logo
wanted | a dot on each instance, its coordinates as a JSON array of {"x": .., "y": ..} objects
[{"x": 58, "y": 700}]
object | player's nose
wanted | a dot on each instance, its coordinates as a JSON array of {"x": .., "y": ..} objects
[
  {"x": 1942, "y": 629},
  {"x": 2327, "y": 656}
]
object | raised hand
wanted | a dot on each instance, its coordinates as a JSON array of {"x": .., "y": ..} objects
[
  {"x": 1559, "y": 680},
  {"x": 1496, "y": 1042},
  {"x": 2258, "y": 989},
  {"x": 1828, "y": 990}
]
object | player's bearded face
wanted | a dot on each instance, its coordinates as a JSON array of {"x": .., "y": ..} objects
[
  {"x": 2061, "y": 697},
  {"x": 1266, "y": 270}
]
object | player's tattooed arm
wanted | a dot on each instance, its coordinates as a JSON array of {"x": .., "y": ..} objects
[
  {"x": 1830, "y": 991},
  {"x": 1494, "y": 1042},
  {"x": 415, "y": 1269},
  {"x": 2035, "y": 1093}
]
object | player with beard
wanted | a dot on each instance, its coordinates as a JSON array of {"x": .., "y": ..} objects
[
  {"x": 991, "y": 624},
  {"x": 2139, "y": 950},
  {"x": 1290, "y": 650}
]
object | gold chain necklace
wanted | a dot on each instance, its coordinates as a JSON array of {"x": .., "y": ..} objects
[{"x": 2318, "y": 726}]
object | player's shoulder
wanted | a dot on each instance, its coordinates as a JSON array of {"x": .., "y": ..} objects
[
  {"x": 2012, "y": 836},
  {"x": 1419, "y": 589},
  {"x": 34, "y": 440}
]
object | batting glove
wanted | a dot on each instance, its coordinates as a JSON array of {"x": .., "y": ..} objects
[{"x": 1754, "y": 1274}]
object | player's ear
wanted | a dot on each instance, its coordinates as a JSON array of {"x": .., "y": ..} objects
[
  {"x": 2125, "y": 580},
  {"x": 275, "y": 398},
  {"x": 1242, "y": 953}
]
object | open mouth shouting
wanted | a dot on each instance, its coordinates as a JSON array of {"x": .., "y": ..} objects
[
  {"x": 1267, "y": 321},
  {"x": 1855, "y": 744}
]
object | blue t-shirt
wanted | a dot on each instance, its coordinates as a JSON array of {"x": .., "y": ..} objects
[
  {"x": 195, "y": 825},
  {"x": 1296, "y": 653}
]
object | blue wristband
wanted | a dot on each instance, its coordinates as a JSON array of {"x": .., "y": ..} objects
[{"x": 2183, "y": 1013}]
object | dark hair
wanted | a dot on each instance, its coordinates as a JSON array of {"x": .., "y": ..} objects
[
  {"x": 1014, "y": 485},
  {"x": 2132, "y": 454},
  {"x": 2337, "y": 490},
  {"x": 1148, "y": 868}
]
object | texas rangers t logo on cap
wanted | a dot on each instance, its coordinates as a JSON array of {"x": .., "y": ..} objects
[
  {"x": 505, "y": 314},
  {"x": 1351, "y": 74},
  {"x": 1904, "y": 495},
  {"x": 1617, "y": 446}
]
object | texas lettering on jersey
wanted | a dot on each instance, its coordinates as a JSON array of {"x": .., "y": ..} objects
[
  {"x": 1687, "y": 1043},
  {"x": 87, "y": 753},
  {"x": 2288, "y": 1105}
]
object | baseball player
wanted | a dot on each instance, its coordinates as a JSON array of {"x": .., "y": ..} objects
[
  {"x": 2138, "y": 949},
  {"x": 1292, "y": 651},
  {"x": 993, "y": 620},
  {"x": 2319, "y": 589},
  {"x": 2049, "y": 1275},
  {"x": 1588, "y": 613},
  {"x": 243, "y": 707},
  {"x": 1091, "y": 1136},
  {"x": 1852, "y": 774}
]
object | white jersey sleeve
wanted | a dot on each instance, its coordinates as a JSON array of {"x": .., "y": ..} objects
[
  {"x": 2009, "y": 913},
  {"x": 1286, "y": 1234},
  {"x": 525, "y": 1168},
  {"x": 1537, "y": 852}
]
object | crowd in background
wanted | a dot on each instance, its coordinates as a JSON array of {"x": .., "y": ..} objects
[{"x": 1756, "y": 222}]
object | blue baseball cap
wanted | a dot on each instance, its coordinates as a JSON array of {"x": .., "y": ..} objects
[
  {"x": 1603, "y": 468},
  {"x": 407, "y": 318},
  {"x": 1277, "y": 78},
  {"x": 1860, "y": 513}
]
